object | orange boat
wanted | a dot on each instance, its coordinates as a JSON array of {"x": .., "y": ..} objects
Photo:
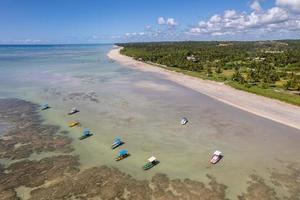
[
  {"x": 72, "y": 124},
  {"x": 122, "y": 154}
]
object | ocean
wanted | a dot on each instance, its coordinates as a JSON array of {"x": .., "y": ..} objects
[{"x": 145, "y": 110}]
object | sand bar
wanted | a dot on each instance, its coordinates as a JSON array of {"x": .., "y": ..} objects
[{"x": 262, "y": 106}]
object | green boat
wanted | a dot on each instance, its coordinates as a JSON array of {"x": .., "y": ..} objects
[{"x": 152, "y": 161}]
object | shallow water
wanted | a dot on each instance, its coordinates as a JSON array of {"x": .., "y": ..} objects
[
  {"x": 145, "y": 110},
  {"x": 4, "y": 126}
]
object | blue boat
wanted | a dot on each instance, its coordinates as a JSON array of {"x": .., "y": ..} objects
[
  {"x": 117, "y": 142},
  {"x": 45, "y": 106},
  {"x": 122, "y": 154},
  {"x": 85, "y": 134}
]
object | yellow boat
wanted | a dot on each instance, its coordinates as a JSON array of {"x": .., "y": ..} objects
[{"x": 72, "y": 124}]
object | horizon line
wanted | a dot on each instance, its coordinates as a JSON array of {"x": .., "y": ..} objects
[{"x": 112, "y": 43}]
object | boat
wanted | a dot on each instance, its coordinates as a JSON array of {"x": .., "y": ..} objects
[
  {"x": 216, "y": 157},
  {"x": 122, "y": 154},
  {"x": 75, "y": 123},
  {"x": 117, "y": 142},
  {"x": 73, "y": 111},
  {"x": 45, "y": 107},
  {"x": 183, "y": 121},
  {"x": 152, "y": 161},
  {"x": 85, "y": 134}
]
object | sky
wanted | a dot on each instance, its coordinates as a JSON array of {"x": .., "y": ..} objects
[{"x": 110, "y": 21}]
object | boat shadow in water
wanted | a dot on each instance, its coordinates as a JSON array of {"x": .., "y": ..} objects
[{"x": 85, "y": 136}]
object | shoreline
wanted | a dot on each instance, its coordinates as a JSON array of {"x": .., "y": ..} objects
[{"x": 272, "y": 109}]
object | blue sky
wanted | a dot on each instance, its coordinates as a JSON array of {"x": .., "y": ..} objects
[{"x": 95, "y": 21}]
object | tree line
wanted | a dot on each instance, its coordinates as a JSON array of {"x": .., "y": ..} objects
[{"x": 261, "y": 63}]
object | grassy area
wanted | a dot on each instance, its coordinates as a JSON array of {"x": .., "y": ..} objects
[
  {"x": 226, "y": 76},
  {"x": 270, "y": 92},
  {"x": 215, "y": 77}
]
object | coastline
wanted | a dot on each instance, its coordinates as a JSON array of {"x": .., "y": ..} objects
[{"x": 272, "y": 109}]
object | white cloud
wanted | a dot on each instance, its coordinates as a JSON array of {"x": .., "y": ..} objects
[
  {"x": 257, "y": 22},
  {"x": 230, "y": 14},
  {"x": 255, "y": 5},
  {"x": 168, "y": 21},
  {"x": 215, "y": 19},
  {"x": 280, "y": 21},
  {"x": 133, "y": 34},
  {"x": 171, "y": 22},
  {"x": 291, "y": 4},
  {"x": 161, "y": 20}
]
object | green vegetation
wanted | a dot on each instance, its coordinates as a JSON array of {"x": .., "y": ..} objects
[{"x": 268, "y": 68}]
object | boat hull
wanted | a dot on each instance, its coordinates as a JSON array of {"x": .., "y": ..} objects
[
  {"x": 73, "y": 112},
  {"x": 73, "y": 124},
  {"x": 184, "y": 121},
  {"x": 215, "y": 159},
  {"x": 116, "y": 145},
  {"x": 149, "y": 165},
  {"x": 85, "y": 136},
  {"x": 122, "y": 157}
]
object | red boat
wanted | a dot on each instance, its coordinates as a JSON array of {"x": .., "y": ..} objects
[{"x": 216, "y": 157}]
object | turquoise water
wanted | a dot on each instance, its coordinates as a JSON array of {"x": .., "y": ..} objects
[{"x": 144, "y": 109}]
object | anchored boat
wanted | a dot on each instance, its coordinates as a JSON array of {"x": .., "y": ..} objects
[
  {"x": 85, "y": 134},
  {"x": 122, "y": 154},
  {"x": 73, "y": 111},
  {"x": 117, "y": 142},
  {"x": 216, "y": 157},
  {"x": 183, "y": 121},
  {"x": 152, "y": 161},
  {"x": 45, "y": 107},
  {"x": 75, "y": 123}
]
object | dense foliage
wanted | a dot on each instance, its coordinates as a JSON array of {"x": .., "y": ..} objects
[{"x": 263, "y": 64}]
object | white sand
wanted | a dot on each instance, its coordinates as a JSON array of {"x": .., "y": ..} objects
[{"x": 265, "y": 107}]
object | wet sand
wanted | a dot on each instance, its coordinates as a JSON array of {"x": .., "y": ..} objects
[{"x": 269, "y": 108}]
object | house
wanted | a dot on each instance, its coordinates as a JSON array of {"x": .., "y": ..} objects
[{"x": 191, "y": 58}]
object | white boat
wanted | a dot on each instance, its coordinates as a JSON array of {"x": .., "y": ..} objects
[
  {"x": 216, "y": 157},
  {"x": 183, "y": 121},
  {"x": 73, "y": 111}
]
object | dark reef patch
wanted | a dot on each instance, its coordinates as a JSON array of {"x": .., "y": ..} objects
[
  {"x": 83, "y": 96},
  {"x": 34, "y": 173},
  {"x": 8, "y": 194},
  {"x": 290, "y": 180},
  {"x": 110, "y": 183},
  {"x": 78, "y": 96},
  {"x": 258, "y": 189},
  {"x": 27, "y": 133}
]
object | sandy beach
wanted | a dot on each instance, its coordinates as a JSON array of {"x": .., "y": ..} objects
[{"x": 265, "y": 107}]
